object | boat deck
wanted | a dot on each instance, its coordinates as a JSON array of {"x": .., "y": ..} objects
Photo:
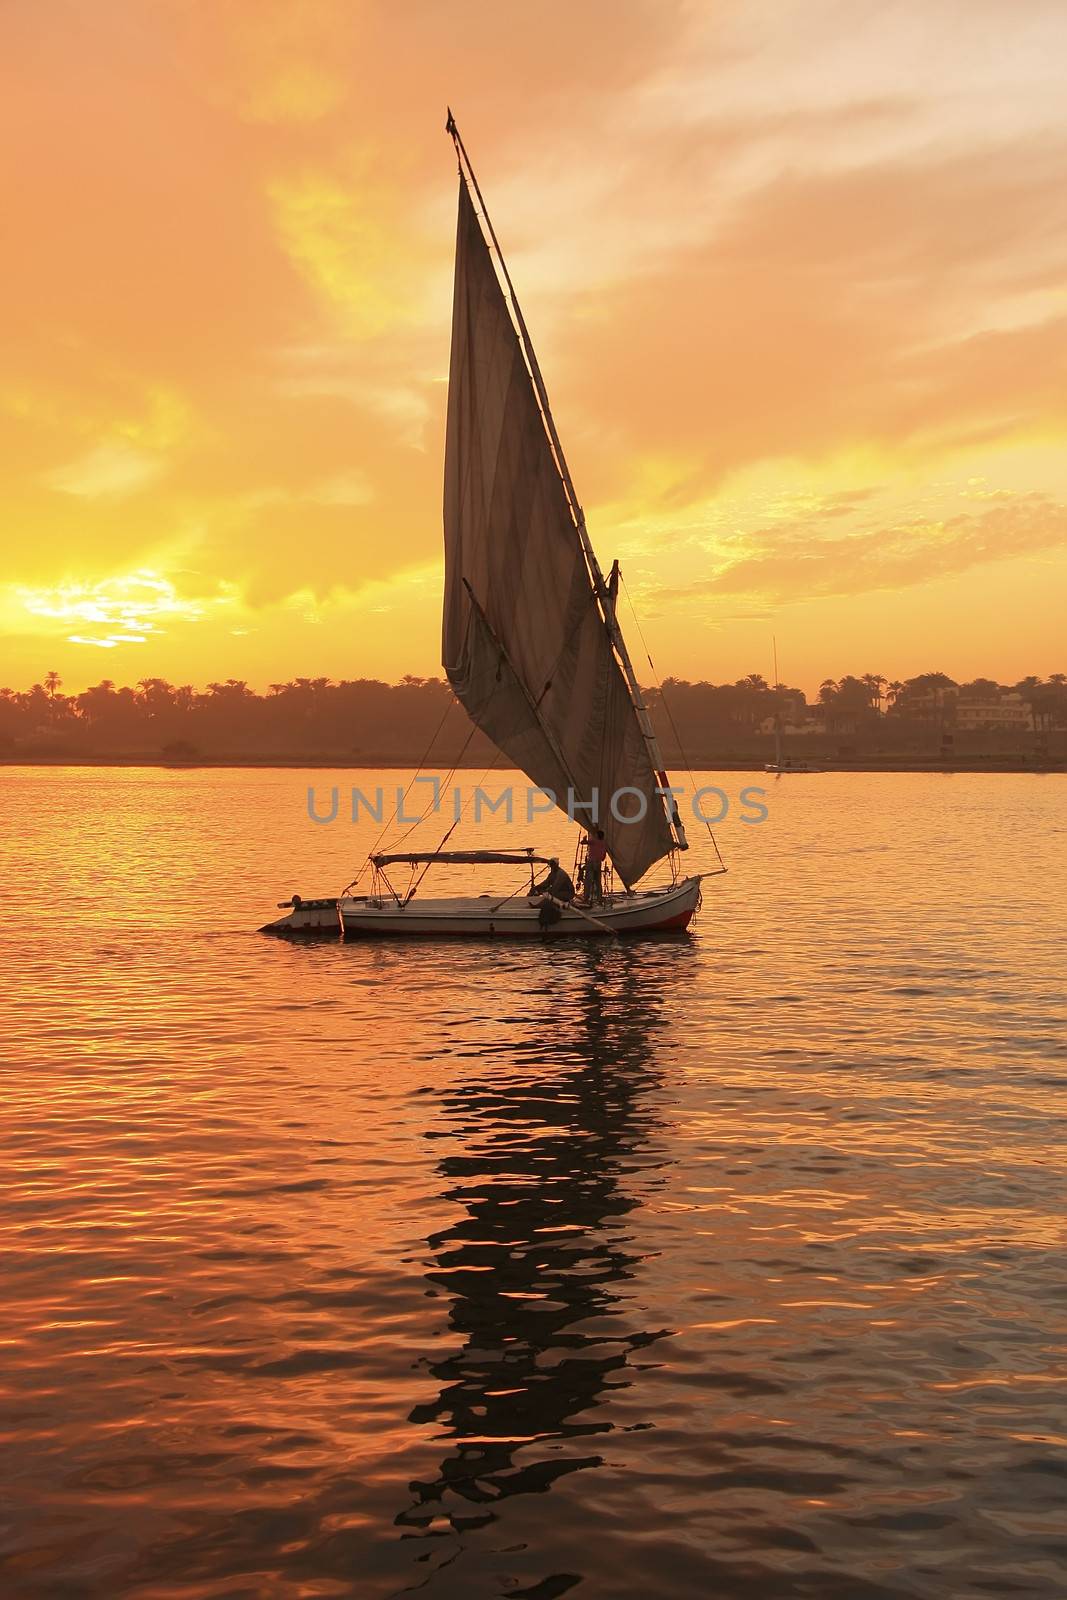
[
  {"x": 665, "y": 909},
  {"x": 487, "y": 915}
]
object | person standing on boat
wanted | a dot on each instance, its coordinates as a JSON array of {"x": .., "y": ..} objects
[
  {"x": 555, "y": 885},
  {"x": 596, "y": 853}
]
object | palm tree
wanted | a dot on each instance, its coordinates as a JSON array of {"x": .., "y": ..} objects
[
  {"x": 925, "y": 696},
  {"x": 52, "y": 681},
  {"x": 156, "y": 695},
  {"x": 981, "y": 689},
  {"x": 93, "y": 703},
  {"x": 1030, "y": 688},
  {"x": 874, "y": 683},
  {"x": 828, "y": 692},
  {"x": 940, "y": 683},
  {"x": 853, "y": 697},
  {"x": 751, "y": 692}
]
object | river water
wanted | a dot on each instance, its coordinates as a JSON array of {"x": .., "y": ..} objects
[{"x": 729, "y": 1264}]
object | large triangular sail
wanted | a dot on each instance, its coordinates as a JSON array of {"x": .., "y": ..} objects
[{"x": 526, "y": 642}]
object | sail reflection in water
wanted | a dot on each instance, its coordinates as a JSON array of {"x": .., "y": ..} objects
[{"x": 541, "y": 1262}]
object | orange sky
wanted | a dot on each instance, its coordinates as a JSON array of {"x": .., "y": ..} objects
[{"x": 795, "y": 270}]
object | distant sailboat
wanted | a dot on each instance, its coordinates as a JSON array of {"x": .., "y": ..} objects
[
  {"x": 778, "y": 765},
  {"x": 531, "y": 641}
]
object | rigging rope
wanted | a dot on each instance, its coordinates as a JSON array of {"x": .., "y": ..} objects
[
  {"x": 670, "y": 718},
  {"x": 459, "y": 814},
  {"x": 452, "y": 701},
  {"x": 400, "y": 803}
]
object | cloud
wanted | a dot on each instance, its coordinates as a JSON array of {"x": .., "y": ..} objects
[
  {"x": 339, "y": 233},
  {"x": 113, "y": 470},
  {"x": 274, "y": 62},
  {"x": 404, "y": 395},
  {"x": 799, "y": 560},
  {"x": 117, "y": 610},
  {"x": 832, "y": 310},
  {"x": 351, "y": 488}
]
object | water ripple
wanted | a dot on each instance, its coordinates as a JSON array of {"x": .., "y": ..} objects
[{"x": 729, "y": 1265}]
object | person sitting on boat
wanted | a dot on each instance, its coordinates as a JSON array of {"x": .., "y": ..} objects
[
  {"x": 596, "y": 853},
  {"x": 555, "y": 885}
]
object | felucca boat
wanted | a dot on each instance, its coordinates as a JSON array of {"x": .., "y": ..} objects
[{"x": 532, "y": 647}]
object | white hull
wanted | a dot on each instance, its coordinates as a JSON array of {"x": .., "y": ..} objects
[{"x": 645, "y": 911}]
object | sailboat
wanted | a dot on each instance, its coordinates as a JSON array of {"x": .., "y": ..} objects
[
  {"x": 531, "y": 645},
  {"x": 779, "y": 766}
]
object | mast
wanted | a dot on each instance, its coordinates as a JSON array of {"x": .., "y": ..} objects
[
  {"x": 605, "y": 597},
  {"x": 777, "y": 707}
]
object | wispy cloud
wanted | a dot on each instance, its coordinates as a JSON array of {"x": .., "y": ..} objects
[
  {"x": 345, "y": 234},
  {"x": 117, "y": 610},
  {"x": 272, "y": 62},
  {"x": 114, "y": 470},
  {"x": 352, "y": 488},
  {"x": 800, "y": 559}
]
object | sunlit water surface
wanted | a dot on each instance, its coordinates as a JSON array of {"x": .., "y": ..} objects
[{"x": 720, "y": 1265}]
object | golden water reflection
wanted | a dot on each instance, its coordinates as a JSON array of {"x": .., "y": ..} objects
[{"x": 728, "y": 1264}]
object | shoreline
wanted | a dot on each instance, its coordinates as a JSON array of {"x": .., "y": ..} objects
[{"x": 993, "y": 764}]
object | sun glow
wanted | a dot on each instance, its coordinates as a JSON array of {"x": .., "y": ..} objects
[{"x": 114, "y": 611}]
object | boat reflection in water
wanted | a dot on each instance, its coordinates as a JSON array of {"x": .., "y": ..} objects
[{"x": 552, "y": 1159}]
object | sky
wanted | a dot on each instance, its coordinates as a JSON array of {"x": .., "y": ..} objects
[{"x": 796, "y": 271}]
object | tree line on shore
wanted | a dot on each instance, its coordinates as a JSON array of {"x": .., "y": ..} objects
[{"x": 366, "y": 718}]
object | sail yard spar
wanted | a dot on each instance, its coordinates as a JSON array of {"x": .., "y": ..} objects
[{"x": 531, "y": 643}]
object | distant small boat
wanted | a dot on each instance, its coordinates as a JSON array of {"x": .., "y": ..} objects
[
  {"x": 778, "y": 765},
  {"x": 531, "y": 642}
]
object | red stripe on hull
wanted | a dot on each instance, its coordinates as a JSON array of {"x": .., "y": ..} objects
[{"x": 682, "y": 920}]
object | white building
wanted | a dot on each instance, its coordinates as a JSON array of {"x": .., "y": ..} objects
[{"x": 1004, "y": 711}]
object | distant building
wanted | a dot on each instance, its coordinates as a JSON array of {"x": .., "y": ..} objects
[
  {"x": 826, "y": 719},
  {"x": 793, "y": 710},
  {"x": 788, "y": 726},
  {"x": 1009, "y": 711}
]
